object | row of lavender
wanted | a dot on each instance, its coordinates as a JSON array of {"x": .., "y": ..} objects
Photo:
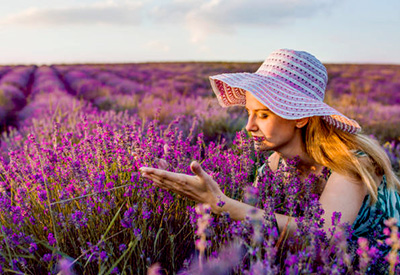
[
  {"x": 170, "y": 89},
  {"x": 114, "y": 91},
  {"x": 14, "y": 90},
  {"x": 362, "y": 82},
  {"x": 367, "y": 93},
  {"x": 71, "y": 191}
]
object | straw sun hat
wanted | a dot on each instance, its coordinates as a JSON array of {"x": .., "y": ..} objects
[{"x": 290, "y": 83}]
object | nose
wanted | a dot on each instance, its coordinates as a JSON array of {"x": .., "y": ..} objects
[{"x": 251, "y": 126}]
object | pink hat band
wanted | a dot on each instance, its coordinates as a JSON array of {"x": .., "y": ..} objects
[{"x": 290, "y": 83}]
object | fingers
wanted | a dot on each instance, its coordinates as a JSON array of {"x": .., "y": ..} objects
[
  {"x": 171, "y": 176},
  {"x": 165, "y": 179},
  {"x": 178, "y": 187},
  {"x": 162, "y": 163},
  {"x": 198, "y": 170},
  {"x": 162, "y": 182}
]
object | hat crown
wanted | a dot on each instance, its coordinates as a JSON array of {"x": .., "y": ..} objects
[{"x": 297, "y": 69}]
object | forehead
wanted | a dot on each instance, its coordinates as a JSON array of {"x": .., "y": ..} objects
[{"x": 253, "y": 103}]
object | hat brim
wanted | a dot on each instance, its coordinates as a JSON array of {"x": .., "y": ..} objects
[{"x": 280, "y": 98}]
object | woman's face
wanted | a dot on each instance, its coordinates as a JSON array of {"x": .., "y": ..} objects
[{"x": 278, "y": 134}]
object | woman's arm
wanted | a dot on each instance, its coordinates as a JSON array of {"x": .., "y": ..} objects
[
  {"x": 203, "y": 189},
  {"x": 341, "y": 194},
  {"x": 238, "y": 211}
]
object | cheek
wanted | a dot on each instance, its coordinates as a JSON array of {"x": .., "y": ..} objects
[{"x": 277, "y": 131}]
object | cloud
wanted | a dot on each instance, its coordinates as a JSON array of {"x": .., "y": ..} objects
[
  {"x": 109, "y": 12},
  {"x": 225, "y": 16}
]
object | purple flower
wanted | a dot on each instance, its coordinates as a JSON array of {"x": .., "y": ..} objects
[
  {"x": 103, "y": 256},
  {"x": 122, "y": 247},
  {"x": 336, "y": 218},
  {"x": 32, "y": 247},
  {"x": 146, "y": 212},
  {"x": 138, "y": 233},
  {"x": 52, "y": 240},
  {"x": 14, "y": 263},
  {"x": 22, "y": 261},
  {"x": 47, "y": 257},
  {"x": 129, "y": 190},
  {"x": 32, "y": 220},
  {"x": 79, "y": 219},
  {"x": 129, "y": 216},
  {"x": 109, "y": 185},
  {"x": 115, "y": 271},
  {"x": 42, "y": 194},
  {"x": 220, "y": 202}
]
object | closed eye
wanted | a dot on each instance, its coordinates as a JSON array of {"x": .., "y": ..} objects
[
  {"x": 261, "y": 113},
  {"x": 262, "y": 116}
]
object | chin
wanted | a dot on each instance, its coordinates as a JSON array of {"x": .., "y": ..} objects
[{"x": 261, "y": 147}]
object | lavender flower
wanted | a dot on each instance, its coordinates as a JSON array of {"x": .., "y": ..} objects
[
  {"x": 129, "y": 217},
  {"x": 51, "y": 239}
]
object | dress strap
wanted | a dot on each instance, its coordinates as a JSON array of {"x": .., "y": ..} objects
[{"x": 359, "y": 153}]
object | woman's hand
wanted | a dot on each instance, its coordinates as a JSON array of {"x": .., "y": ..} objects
[{"x": 200, "y": 188}]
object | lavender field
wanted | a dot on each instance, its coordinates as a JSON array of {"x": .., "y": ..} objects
[{"x": 72, "y": 199}]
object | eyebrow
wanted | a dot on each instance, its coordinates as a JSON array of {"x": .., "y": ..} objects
[{"x": 257, "y": 110}]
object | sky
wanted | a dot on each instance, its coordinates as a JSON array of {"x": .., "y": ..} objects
[{"x": 114, "y": 31}]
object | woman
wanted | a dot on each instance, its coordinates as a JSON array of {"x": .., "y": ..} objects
[{"x": 286, "y": 114}]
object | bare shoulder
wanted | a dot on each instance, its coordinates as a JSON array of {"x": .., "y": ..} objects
[
  {"x": 273, "y": 161},
  {"x": 343, "y": 194},
  {"x": 339, "y": 182}
]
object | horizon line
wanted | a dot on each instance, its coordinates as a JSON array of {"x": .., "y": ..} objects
[{"x": 176, "y": 61}]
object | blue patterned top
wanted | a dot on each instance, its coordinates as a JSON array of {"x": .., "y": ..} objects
[
  {"x": 369, "y": 224},
  {"x": 371, "y": 217}
]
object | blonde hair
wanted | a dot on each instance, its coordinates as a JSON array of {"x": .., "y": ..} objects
[{"x": 337, "y": 150}]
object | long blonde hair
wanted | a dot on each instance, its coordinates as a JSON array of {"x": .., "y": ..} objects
[{"x": 337, "y": 149}]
